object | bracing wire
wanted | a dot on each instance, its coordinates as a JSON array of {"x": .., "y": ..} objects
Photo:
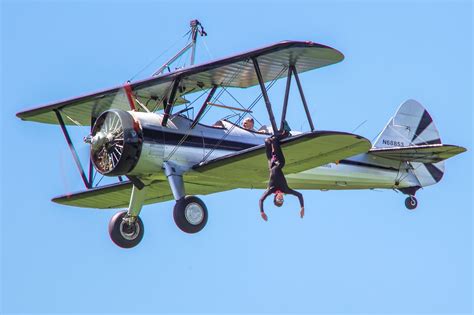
[
  {"x": 159, "y": 56},
  {"x": 407, "y": 173},
  {"x": 241, "y": 116},
  {"x": 185, "y": 54},
  {"x": 207, "y": 48},
  {"x": 242, "y": 106},
  {"x": 360, "y": 125},
  {"x": 185, "y": 136},
  {"x": 80, "y": 125},
  {"x": 188, "y": 131}
]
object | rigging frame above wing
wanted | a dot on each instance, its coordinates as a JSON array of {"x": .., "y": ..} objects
[{"x": 153, "y": 93}]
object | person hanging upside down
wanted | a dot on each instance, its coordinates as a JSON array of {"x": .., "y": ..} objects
[{"x": 277, "y": 183}]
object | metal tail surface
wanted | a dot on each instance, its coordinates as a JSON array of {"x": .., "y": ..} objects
[{"x": 410, "y": 126}]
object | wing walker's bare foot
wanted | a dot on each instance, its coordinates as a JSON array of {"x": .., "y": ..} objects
[
  {"x": 264, "y": 216},
  {"x": 302, "y": 212}
]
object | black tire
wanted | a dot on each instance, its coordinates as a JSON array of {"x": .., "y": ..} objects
[
  {"x": 411, "y": 203},
  {"x": 123, "y": 234},
  {"x": 188, "y": 219}
]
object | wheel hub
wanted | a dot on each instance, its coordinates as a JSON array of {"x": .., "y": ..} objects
[
  {"x": 194, "y": 213},
  {"x": 129, "y": 231}
]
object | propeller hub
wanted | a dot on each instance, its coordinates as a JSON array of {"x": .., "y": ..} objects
[{"x": 115, "y": 144}]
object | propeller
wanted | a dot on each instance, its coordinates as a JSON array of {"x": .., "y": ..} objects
[
  {"x": 115, "y": 143},
  {"x": 107, "y": 141}
]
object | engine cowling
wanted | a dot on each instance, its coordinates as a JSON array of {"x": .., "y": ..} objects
[{"x": 116, "y": 142}]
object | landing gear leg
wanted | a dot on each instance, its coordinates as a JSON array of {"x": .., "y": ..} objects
[
  {"x": 175, "y": 179},
  {"x": 126, "y": 228},
  {"x": 190, "y": 212},
  {"x": 411, "y": 203}
]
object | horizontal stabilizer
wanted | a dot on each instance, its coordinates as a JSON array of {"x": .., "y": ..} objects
[{"x": 433, "y": 153}]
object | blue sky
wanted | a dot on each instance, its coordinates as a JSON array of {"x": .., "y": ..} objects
[{"x": 354, "y": 252}]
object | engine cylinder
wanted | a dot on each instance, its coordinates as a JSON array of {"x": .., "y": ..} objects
[{"x": 116, "y": 143}]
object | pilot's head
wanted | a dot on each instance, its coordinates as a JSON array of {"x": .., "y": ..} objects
[
  {"x": 248, "y": 123},
  {"x": 278, "y": 199}
]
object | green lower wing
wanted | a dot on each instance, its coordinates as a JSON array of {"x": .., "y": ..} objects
[
  {"x": 248, "y": 169},
  {"x": 118, "y": 195},
  {"x": 244, "y": 169}
]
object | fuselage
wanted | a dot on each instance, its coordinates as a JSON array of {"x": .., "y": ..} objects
[{"x": 187, "y": 147}]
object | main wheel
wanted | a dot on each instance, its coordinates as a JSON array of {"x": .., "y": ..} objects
[
  {"x": 411, "y": 203},
  {"x": 190, "y": 214},
  {"x": 123, "y": 233}
]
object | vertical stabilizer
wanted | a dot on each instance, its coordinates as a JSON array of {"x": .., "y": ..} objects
[{"x": 412, "y": 125}]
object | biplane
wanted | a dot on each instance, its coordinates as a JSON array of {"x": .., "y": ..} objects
[{"x": 159, "y": 152}]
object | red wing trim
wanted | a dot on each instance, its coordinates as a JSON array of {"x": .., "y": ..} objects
[{"x": 129, "y": 92}]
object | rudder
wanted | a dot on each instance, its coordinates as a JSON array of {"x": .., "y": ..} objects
[{"x": 412, "y": 125}]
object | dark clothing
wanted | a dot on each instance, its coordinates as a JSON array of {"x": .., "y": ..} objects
[
  {"x": 276, "y": 162},
  {"x": 277, "y": 181}
]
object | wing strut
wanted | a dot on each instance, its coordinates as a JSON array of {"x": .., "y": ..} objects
[
  {"x": 303, "y": 99},
  {"x": 170, "y": 102},
  {"x": 265, "y": 95},
  {"x": 204, "y": 106},
  {"x": 91, "y": 167},
  {"x": 285, "y": 101},
  {"x": 129, "y": 92},
  {"x": 71, "y": 147}
]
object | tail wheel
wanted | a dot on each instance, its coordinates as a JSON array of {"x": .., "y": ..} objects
[
  {"x": 190, "y": 214},
  {"x": 125, "y": 233},
  {"x": 411, "y": 203}
]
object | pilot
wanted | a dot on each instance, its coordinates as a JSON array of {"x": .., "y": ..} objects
[
  {"x": 277, "y": 183},
  {"x": 248, "y": 123}
]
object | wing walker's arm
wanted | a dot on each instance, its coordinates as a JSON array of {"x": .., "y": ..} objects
[{"x": 297, "y": 194}]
